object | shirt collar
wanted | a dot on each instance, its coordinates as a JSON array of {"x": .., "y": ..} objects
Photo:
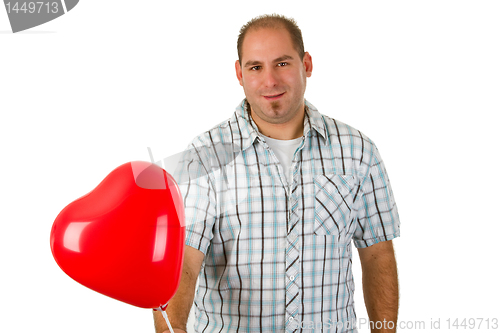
[
  {"x": 249, "y": 131},
  {"x": 315, "y": 120}
]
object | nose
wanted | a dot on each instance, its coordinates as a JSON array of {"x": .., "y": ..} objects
[{"x": 270, "y": 78}]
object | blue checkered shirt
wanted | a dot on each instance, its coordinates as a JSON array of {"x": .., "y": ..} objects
[{"x": 278, "y": 254}]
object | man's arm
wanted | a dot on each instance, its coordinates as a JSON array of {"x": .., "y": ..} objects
[
  {"x": 179, "y": 306},
  {"x": 380, "y": 285}
]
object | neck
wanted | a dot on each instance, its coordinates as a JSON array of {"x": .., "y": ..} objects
[{"x": 292, "y": 129}]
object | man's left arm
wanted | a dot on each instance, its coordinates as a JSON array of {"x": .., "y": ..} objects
[{"x": 380, "y": 286}]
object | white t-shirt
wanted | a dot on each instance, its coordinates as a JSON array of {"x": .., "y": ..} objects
[{"x": 284, "y": 149}]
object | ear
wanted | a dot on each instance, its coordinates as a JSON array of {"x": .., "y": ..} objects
[
  {"x": 308, "y": 65},
  {"x": 239, "y": 75}
]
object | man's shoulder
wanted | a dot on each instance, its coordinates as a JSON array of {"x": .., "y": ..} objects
[
  {"x": 335, "y": 128},
  {"x": 218, "y": 145},
  {"x": 234, "y": 130},
  {"x": 220, "y": 133},
  {"x": 346, "y": 140}
]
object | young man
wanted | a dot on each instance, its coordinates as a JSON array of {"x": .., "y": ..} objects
[{"x": 271, "y": 231}]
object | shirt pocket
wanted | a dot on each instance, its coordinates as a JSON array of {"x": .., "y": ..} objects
[{"x": 333, "y": 203}]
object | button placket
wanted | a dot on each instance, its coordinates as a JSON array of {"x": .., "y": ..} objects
[{"x": 292, "y": 261}]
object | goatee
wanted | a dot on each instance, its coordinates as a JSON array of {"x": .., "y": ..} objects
[{"x": 275, "y": 106}]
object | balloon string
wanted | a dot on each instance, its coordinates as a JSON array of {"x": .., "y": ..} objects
[{"x": 166, "y": 319}]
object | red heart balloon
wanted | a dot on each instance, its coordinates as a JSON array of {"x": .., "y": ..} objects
[{"x": 125, "y": 239}]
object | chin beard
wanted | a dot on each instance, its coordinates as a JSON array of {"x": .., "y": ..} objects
[{"x": 275, "y": 106}]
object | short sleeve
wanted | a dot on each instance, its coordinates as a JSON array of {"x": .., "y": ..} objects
[
  {"x": 377, "y": 218},
  {"x": 199, "y": 199}
]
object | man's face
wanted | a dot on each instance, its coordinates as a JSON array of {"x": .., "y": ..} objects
[{"x": 272, "y": 75}]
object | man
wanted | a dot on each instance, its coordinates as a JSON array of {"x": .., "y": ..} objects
[{"x": 271, "y": 230}]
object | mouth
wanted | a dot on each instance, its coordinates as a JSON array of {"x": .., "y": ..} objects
[{"x": 273, "y": 97}]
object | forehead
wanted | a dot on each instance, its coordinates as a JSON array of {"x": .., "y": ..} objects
[{"x": 267, "y": 43}]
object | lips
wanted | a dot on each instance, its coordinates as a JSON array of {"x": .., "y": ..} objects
[{"x": 273, "y": 97}]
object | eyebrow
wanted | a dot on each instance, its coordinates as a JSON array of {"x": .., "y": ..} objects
[{"x": 252, "y": 63}]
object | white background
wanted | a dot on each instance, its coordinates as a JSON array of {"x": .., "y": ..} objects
[{"x": 92, "y": 89}]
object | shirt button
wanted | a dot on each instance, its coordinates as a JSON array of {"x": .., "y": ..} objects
[
  {"x": 290, "y": 319},
  {"x": 292, "y": 278}
]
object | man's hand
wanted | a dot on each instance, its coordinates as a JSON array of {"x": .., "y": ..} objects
[
  {"x": 179, "y": 306},
  {"x": 380, "y": 285}
]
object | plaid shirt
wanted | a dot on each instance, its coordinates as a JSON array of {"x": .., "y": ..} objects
[{"x": 278, "y": 255}]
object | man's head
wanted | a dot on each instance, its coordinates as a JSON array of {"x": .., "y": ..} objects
[
  {"x": 274, "y": 22},
  {"x": 273, "y": 69}
]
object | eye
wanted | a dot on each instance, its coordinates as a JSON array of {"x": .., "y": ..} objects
[
  {"x": 281, "y": 64},
  {"x": 255, "y": 68}
]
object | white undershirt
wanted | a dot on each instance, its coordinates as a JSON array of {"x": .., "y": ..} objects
[{"x": 284, "y": 149}]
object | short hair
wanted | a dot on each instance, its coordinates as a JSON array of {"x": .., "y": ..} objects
[{"x": 273, "y": 21}]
